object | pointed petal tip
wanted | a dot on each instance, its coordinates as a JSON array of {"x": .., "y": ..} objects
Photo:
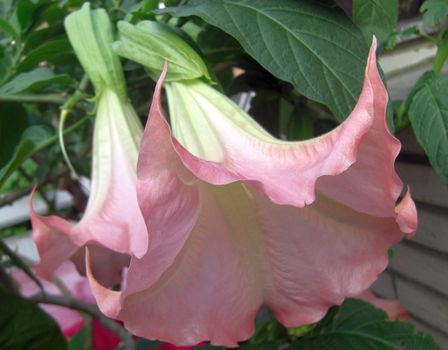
[
  {"x": 108, "y": 300},
  {"x": 52, "y": 236},
  {"x": 407, "y": 218},
  {"x": 371, "y": 60}
]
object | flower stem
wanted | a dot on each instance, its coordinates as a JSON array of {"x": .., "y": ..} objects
[
  {"x": 91, "y": 309},
  {"x": 17, "y": 261},
  {"x": 65, "y": 110},
  {"x": 442, "y": 53},
  {"x": 34, "y": 98}
]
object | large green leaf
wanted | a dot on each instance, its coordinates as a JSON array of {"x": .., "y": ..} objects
[
  {"x": 219, "y": 47},
  {"x": 33, "y": 80},
  {"x": 23, "y": 14},
  {"x": 24, "y": 326},
  {"x": 13, "y": 122},
  {"x": 428, "y": 113},
  {"x": 434, "y": 11},
  {"x": 48, "y": 51},
  {"x": 376, "y": 17},
  {"x": 358, "y": 325},
  {"x": 312, "y": 45},
  {"x": 7, "y": 28}
]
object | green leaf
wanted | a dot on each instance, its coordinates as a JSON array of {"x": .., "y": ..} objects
[
  {"x": 33, "y": 80},
  {"x": 434, "y": 11},
  {"x": 91, "y": 35},
  {"x": 219, "y": 47},
  {"x": 33, "y": 139},
  {"x": 145, "y": 344},
  {"x": 13, "y": 122},
  {"x": 425, "y": 78},
  {"x": 23, "y": 15},
  {"x": 428, "y": 113},
  {"x": 151, "y": 44},
  {"x": 311, "y": 45},
  {"x": 376, "y": 17},
  {"x": 77, "y": 342},
  {"x": 359, "y": 325},
  {"x": 7, "y": 28},
  {"x": 48, "y": 51},
  {"x": 5, "y": 8},
  {"x": 144, "y": 10},
  {"x": 24, "y": 326}
]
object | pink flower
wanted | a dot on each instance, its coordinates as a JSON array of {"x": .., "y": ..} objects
[
  {"x": 112, "y": 223},
  {"x": 393, "y": 308},
  {"x": 237, "y": 219},
  {"x": 69, "y": 321}
]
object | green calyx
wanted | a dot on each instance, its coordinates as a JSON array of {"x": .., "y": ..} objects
[
  {"x": 152, "y": 44},
  {"x": 90, "y": 33}
]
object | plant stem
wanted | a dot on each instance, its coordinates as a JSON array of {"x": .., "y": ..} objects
[
  {"x": 401, "y": 119},
  {"x": 91, "y": 309},
  {"x": 65, "y": 110},
  {"x": 34, "y": 98},
  {"x": 20, "y": 263},
  {"x": 43, "y": 145},
  {"x": 442, "y": 53},
  {"x": 9, "y": 197}
]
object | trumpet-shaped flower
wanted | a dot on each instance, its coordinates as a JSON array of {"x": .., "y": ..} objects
[
  {"x": 238, "y": 219},
  {"x": 112, "y": 223}
]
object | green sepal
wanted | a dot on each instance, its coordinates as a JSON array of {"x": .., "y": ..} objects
[
  {"x": 151, "y": 44},
  {"x": 90, "y": 33}
]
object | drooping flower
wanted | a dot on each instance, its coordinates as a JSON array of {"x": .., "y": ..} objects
[
  {"x": 237, "y": 219},
  {"x": 112, "y": 222}
]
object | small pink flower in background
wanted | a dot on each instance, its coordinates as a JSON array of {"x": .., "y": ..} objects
[
  {"x": 393, "y": 308},
  {"x": 237, "y": 219},
  {"x": 70, "y": 321}
]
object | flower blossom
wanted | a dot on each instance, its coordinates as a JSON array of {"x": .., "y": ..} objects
[
  {"x": 237, "y": 219},
  {"x": 112, "y": 224}
]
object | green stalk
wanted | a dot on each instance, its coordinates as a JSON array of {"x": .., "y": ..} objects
[
  {"x": 34, "y": 98},
  {"x": 442, "y": 53}
]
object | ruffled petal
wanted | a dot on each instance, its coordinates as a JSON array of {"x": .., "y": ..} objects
[
  {"x": 319, "y": 255},
  {"x": 223, "y": 251},
  {"x": 235, "y": 148},
  {"x": 112, "y": 217},
  {"x": 245, "y": 251},
  {"x": 168, "y": 198},
  {"x": 371, "y": 185},
  {"x": 52, "y": 236},
  {"x": 210, "y": 292},
  {"x": 167, "y": 194},
  {"x": 54, "y": 240}
]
